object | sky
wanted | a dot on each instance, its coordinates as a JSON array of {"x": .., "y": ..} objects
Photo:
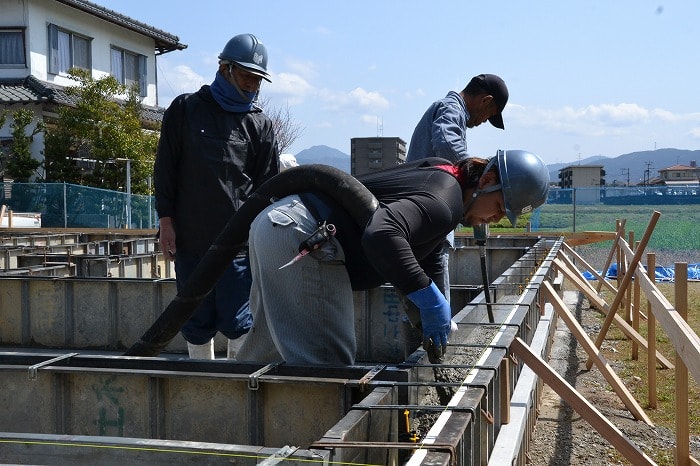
[{"x": 586, "y": 78}]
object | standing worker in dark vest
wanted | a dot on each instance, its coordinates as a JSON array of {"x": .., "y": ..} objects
[{"x": 216, "y": 147}]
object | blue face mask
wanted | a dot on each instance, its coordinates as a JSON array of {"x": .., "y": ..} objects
[{"x": 230, "y": 97}]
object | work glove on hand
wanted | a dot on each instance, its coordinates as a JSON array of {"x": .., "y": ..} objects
[{"x": 435, "y": 316}]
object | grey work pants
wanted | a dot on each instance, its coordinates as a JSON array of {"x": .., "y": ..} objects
[{"x": 303, "y": 313}]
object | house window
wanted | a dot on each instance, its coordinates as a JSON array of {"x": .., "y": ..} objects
[
  {"x": 67, "y": 50},
  {"x": 12, "y": 47},
  {"x": 129, "y": 68}
]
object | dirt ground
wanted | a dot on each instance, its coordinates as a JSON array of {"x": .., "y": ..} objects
[{"x": 562, "y": 437}]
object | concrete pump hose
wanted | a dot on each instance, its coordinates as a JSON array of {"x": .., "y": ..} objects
[{"x": 347, "y": 191}]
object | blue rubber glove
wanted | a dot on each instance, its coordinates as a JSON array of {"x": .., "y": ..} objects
[{"x": 435, "y": 316}]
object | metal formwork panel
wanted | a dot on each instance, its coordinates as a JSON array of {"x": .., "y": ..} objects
[
  {"x": 81, "y": 313},
  {"x": 9, "y": 257},
  {"x": 379, "y": 325},
  {"x": 72, "y": 394},
  {"x": 11, "y": 306},
  {"x": 316, "y": 408},
  {"x": 44, "y": 312},
  {"x": 40, "y": 240},
  {"x": 222, "y": 420},
  {"x": 114, "y": 451},
  {"x": 104, "y": 404},
  {"x": 98, "y": 248},
  {"x": 89, "y": 313},
  {"x": 464, "y": 262},
  {"x": 28, "y": 407},
  {"x": 138, "y": 302},
  {"x": 116, "y": 266},
  {"x": 113, "y": 313},
  {"x": 46, "y": 270},
  {"x": 363, "y": 426}
]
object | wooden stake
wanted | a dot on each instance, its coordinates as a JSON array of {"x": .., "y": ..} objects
[
  {"x": 635, "y": 311},
  {"x": 625, "y": 283},
  {"x": 684, "y": 339},
  {"x": 682, "y": 429},
  {"x": 651, "y": 336},
  {"x": 603, "y": 307},
  {"x": 505, "y": 390},
  {"x": 620, "y": 229}
]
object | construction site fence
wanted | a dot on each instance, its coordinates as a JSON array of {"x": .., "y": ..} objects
[{"x": 64, "y": 205}]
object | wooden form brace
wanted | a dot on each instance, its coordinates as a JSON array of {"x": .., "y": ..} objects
[
  {"x": 684, "y": 339},
  {"x": 574, "y": 399},
  {"x": 568, "y": 269},
  {"x": 595, "y": 354},
  {"x": 626, "y": 280}
]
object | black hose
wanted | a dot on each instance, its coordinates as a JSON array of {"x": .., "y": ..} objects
[{"x": 347, "y": 191}]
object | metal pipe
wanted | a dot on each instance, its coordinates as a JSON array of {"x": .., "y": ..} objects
[{"x": 481, "y": 234}]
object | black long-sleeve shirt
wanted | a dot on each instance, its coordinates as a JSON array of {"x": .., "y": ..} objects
[
  {"x": 419, "y": 204},
  {"x": 209, "y": 161}
]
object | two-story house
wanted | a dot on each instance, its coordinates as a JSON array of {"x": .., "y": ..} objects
[
  {"x": 40, "y": 40},
  {"x": 680, "y": 175}
]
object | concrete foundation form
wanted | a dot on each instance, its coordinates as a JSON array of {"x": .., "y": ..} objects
[{"x": 67, "y": 393}]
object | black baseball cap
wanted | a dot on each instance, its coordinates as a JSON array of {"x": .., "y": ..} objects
[{"x": 495, "y": 87}]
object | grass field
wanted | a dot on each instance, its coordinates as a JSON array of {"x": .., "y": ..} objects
[
  {"x": 675, "y": 237},
  {"x": 677, "y": 227}
]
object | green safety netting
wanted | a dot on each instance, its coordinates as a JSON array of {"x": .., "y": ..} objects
[{"x": 66, "y": 205}]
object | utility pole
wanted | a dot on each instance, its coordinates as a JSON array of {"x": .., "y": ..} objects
[
  {"x": 647, "y": 173},
  {"x": 627, "y": 172},
  {"x": 128, "y": 190}
]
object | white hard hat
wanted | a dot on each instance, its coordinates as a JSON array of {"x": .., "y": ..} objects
[{"x": 288, "y": 161}]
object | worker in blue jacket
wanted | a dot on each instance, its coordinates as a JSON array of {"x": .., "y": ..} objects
[{"x": 442, "y": 130}]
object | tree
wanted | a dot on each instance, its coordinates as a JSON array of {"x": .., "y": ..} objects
[
  {"x": 18, "y": 162},
  {"x": 91, "y": 141},
  {"x": 286, "y": 130}
]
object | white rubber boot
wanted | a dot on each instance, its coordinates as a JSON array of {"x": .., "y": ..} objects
[
  {"x": 234, "y": 346},
  {"x": 205, "y": 351}
]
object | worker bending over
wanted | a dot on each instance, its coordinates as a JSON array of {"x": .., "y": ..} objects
[{"x": 303, "y": 312}]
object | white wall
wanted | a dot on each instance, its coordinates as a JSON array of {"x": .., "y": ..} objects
[
  {"x": 36, "y": 15},
  {"x": 41, "y": 13}
]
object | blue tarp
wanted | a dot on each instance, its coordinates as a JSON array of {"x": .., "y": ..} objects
[{"x": 663, "y": 274}]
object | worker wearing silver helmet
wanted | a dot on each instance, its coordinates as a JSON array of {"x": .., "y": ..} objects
[
  {"x": 303, "y": 309},
  {"x": 246, "y": 53},
  {"x": 216, "y": 147}
]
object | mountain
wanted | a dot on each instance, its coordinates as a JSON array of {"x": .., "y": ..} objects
[
  {"x": 635, "y": 167},
  {"x": 325, "y": 155}
]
